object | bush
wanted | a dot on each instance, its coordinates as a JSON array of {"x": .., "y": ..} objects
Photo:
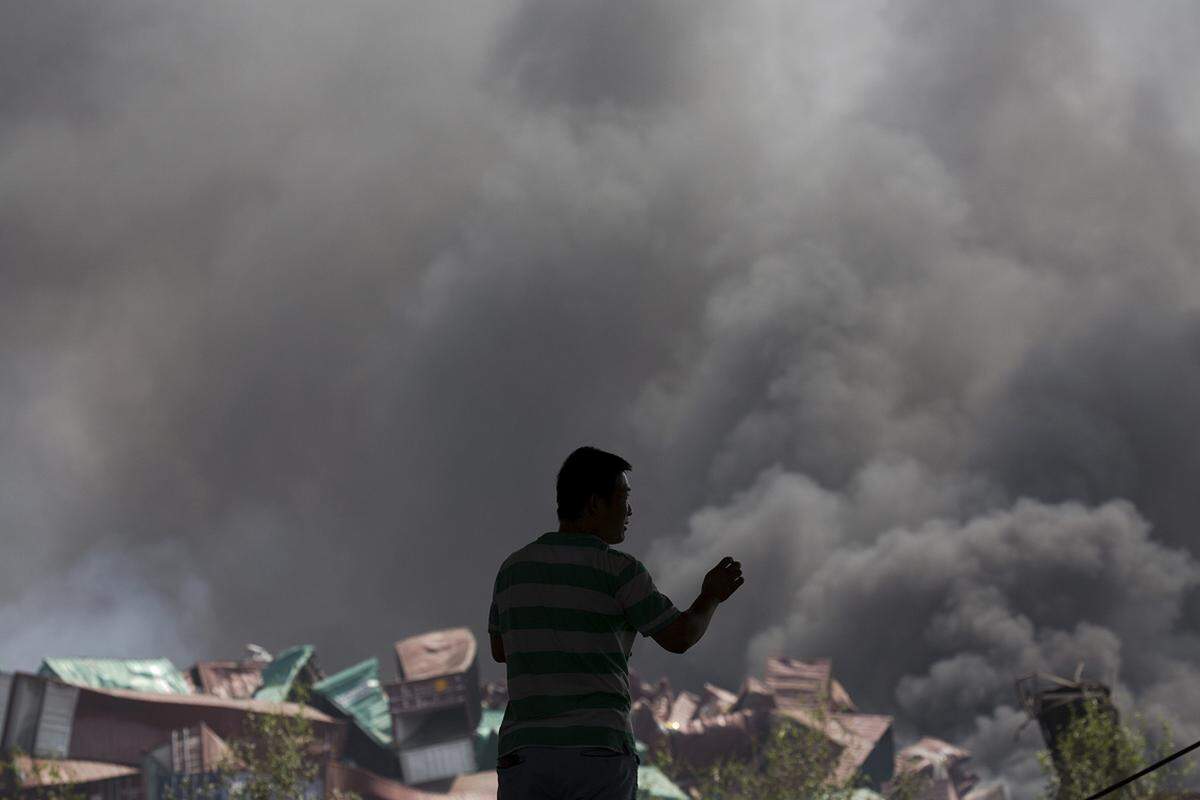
[
  {"x": 47, "y": 771},
  {"x": 1096, "y": 751}
]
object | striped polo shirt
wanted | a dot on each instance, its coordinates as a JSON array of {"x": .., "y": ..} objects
[{"x": 568, "y": 608}]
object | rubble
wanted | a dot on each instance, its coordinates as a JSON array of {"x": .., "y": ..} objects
[
  {"x": 291, "y": 669},
  {"x": 495, "y": 695},
  {"x": 141, "y": 729},
  {"x": 700, "y": 731},
  {"x": 941, "y": 768},
  {"x": 236, "y": 680},
  {"x": 356, "y": 694},
  {"x": 1053, "y": 701},
  {"x": 157, "y": 675},
  {"x": 436, "y": 704}
]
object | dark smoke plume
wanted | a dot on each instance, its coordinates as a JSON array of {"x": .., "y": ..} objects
[{"x": 302, "y": 305}]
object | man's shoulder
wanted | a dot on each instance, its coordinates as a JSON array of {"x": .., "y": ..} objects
[
  {"x": 609, "y": 559},
  {"x": 620, "y": 556},
  {"x": 624, "y": 565}
]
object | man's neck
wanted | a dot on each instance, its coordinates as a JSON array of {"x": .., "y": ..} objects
[{"x": 578, "y": 529}]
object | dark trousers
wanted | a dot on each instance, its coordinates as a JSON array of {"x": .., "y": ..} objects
[{"x": 567, "y": 773}]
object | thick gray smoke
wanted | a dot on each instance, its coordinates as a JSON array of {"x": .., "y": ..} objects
[{"x": 302, "y": 305}]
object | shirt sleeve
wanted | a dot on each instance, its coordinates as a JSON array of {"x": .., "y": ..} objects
[
  {"x": 494, "y": 612},
  {"x": 646, "y": 608}
]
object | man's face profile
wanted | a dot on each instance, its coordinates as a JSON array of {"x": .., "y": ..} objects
[{"x": 612, "y": 515}]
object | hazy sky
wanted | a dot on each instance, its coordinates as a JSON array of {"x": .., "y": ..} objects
[{"x": 302, "y": 305}]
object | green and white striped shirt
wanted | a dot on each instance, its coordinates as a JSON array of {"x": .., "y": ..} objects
[{"x": 568, "y": 608}]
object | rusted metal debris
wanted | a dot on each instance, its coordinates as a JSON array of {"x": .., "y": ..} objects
[
  {"x": 112, "y": 735},
  {"x": 234, "y": 680},
  {"x": 436, "y": 705},
  {"x": 435, "y": 654},
  {"x": 701, "y": 730},
  {"x": 940, "y": 767},
  {"x": 1055, "y": 701}
]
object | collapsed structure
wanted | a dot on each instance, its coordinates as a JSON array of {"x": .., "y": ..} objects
[
  {"x": 124, "y": 729},
  {"x": 1055, "y": 702},
  {"x": 435, "y": 705},
  {"x": 143, "y": 730},
  {"x": 938, "y": 770},
  {"x": 700, "y": 730}
]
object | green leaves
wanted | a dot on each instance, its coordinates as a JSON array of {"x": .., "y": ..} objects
[{"x": 1096, "y": 751}]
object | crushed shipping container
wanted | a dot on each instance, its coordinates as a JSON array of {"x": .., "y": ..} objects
[
  {"x": 436, "y": 705},
  {"x": 356, "y": 694},
  {"x": 48, "y": 718},
  {"x": 290, "y": 668},
  {"x": 234, "y": 680},
  {"x": 156, "y": 675}
]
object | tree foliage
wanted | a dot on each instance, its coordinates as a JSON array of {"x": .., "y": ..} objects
[
  {"x": 50, "y": 776},
  {"x": 276, "y": 758},
  {"x": 1096, "y": 750}
]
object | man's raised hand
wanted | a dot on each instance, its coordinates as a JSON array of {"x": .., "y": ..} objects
[{"x": 723, "y": 579}]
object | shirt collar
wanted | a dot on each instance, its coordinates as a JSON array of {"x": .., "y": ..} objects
[{"x": 578, "y": 539}]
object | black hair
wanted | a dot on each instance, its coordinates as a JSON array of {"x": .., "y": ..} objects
[{"x": 586, "y": 471}]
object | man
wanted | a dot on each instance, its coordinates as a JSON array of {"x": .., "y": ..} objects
[{"x": 565, "y": 612}]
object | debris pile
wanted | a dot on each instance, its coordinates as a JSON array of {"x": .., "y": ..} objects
[
  {"x": 1054, "y": 702},
  {"x": 141, "y": 729},
  {"x": 436, "y": 705},
  {"x": 126, "y": 729},
  {"x": 698, "y": 730},
  {"x": 940, "y": 772}
]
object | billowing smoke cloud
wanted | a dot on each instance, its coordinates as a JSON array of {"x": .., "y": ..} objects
[{"x": 301, "y": 307}]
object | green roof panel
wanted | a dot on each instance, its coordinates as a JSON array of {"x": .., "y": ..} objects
[
  {"x": 654, "y": 785},
  {"x": 280, "y": 674},
  {"x": 487, "y": 737},
  {"x": 157, "y": 675},
  {"x": 356, "y": 692}
]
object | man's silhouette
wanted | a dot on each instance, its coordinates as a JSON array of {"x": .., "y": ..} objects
[{"x": 565, "y": 611}]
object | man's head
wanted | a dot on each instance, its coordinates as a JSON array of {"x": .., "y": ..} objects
[{"x": 593, "y": 494}]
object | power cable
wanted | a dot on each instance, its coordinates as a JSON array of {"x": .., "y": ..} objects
[{"x": 1146, "y": 771}]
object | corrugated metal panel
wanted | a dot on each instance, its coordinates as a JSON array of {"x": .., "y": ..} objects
[
  {"x": 487, "y": 738},
  {"x": 433, "y": 693},
  {"x": 433, "y": 727},
  {"x": 434, "y": 762},
  {"x": 406, "y": 726},
  {"x": 652, "y": 784},
  {"x": 187, "y": 751},
  {"x": 6, "y": 682},
  {"x": 56, "y": 772},
  {"x": 121, "y": 727},
  {"x": 156, "y": 675},
  {"x": 25, "y": 705},
  {"x": 683, "y": 709},
  {"x": 232, "y": 679},
  {"x": 281, "y": 673},
  {"x": 801, "y": 683},
  {"x": 429, "y": 655},
  {"x": 356, "y": 692},
  {"x": 54, "y": 724}
]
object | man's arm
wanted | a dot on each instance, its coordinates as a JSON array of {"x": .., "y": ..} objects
[
  {"x": 690, "y": 626},
  {"x": 497, "y": 648}
]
